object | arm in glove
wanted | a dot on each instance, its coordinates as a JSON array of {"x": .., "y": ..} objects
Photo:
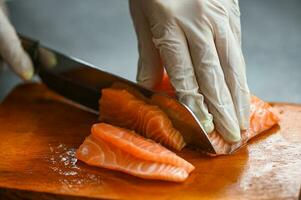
[
  {"x": 199, "y": 44},
  {"x": 11, "y": 50}
]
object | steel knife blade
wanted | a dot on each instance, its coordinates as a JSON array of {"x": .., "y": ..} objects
[{"x": 82, "y": 82}]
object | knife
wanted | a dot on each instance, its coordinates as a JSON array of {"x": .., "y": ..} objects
[{"x": 82, "y": 82}]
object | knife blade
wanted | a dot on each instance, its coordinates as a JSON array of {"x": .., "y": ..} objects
[{"x": 82, "y": 82}]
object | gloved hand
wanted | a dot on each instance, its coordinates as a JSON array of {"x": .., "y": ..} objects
[
  {"x": 199, "y": 44},
  {"x": 11, "y": 50}
]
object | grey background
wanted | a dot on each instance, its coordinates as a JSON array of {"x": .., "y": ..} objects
[{"x": 101, "y": 32}]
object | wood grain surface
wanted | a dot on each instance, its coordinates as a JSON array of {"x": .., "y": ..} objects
[{"x": 39, "y": 132}]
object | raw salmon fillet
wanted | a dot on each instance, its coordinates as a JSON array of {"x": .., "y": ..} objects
[
  {"x": 262, "y": 117},
  {"x": 121, "y": 108},
  {"x": 124, "y": 150}
]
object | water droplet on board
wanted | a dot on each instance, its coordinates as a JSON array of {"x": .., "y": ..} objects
[{"x": 63, "y": 162}]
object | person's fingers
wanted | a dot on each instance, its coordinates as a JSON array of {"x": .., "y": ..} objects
[
  {"x": 150, "y": 69},
  {"x": 211, "y": 80},
  {"x": 172, "y": 45},
  {"x": 232, "y": 62},
  {"x": 12, "y": 51}
]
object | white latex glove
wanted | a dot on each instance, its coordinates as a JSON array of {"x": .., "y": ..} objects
[
  {"x": 199, "y": 43},
  {"x": 11, "y": 50}
]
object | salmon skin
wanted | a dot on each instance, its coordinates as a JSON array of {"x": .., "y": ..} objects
[
  {"x": 262, "y": 117},
  {"x": 124, "y": 150},
  {"x": 122, "y": 108}
]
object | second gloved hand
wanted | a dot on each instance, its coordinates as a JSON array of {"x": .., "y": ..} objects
[
  {"x": 11, "y": 50},
  {"x": 199, "y": 44}
]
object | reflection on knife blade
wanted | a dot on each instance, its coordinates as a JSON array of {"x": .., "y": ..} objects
[{"x": 82, "y": 82}]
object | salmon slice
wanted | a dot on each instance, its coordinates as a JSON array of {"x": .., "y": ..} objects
[
  {"x": 124, "y": 150},
  {"x": 262, "y": 117},
  {"x": 142, "y": 148},
  {"x": 121, "y": 108}
]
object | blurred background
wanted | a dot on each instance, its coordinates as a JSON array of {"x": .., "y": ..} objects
[{"x": 101, "y": 32}]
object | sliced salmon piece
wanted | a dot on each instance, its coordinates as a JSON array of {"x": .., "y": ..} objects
[
  {"x": 121, "y": 108},
  {"x": 123, "y": 150},
  {"x": 138, "y": 146},
  {"x": 262, "y": 116}
]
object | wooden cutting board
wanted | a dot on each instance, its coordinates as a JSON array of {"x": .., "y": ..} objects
[{"x": 39, "y": 132}]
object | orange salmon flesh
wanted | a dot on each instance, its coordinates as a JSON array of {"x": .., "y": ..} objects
[
  {"x": 123, "y": 150},
  {"x": 121, "y": 108}
]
